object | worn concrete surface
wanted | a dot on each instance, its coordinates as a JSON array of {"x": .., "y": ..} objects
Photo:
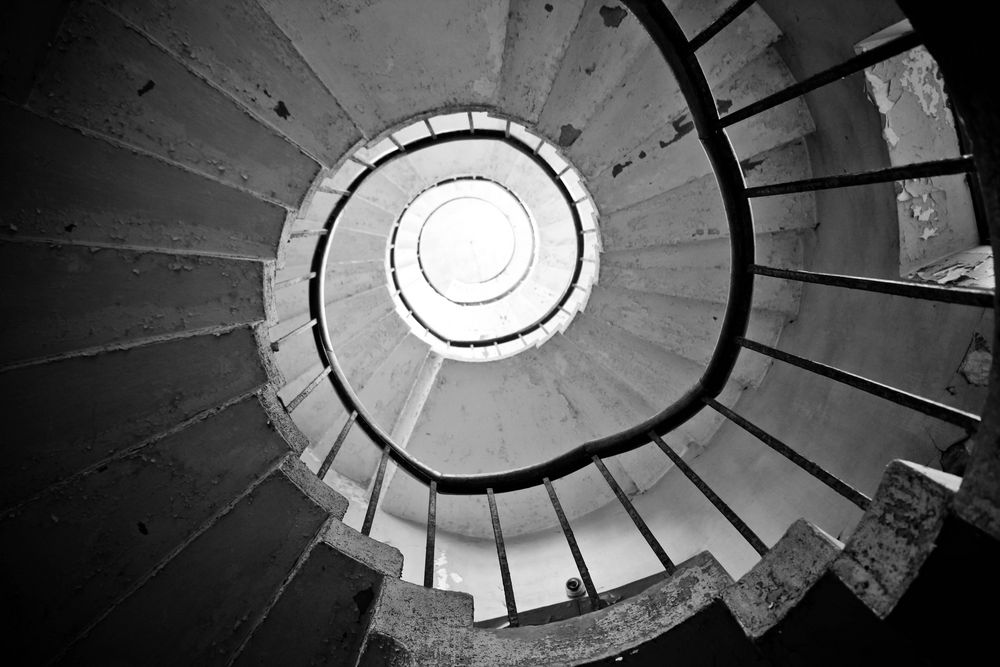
[
  {"x": 762, "y": 597},
  {"x": 71, "y": 298},
  {"x": 896, "y": 534},
  {"x": 700, "y": 270},
  {"x": 86, "y": 543},
  {"x": 105, "y": 77},
  {"x": 237, "y": 47},
  {"x": 197, "y": 607},
  {"x": 114, "y": 401},
  {"x": 325, "y": 608},
  {"x": 379, "y": 63},
  {"x": 62, "y": 185},
  {"x": 537, "y": 37}
]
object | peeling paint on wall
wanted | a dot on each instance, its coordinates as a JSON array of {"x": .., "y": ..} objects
[
  {"x": 935, "y": 214},
  {"x": 975, "y": 367}
]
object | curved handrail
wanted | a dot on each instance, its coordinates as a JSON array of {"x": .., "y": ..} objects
[{"x": 670, "y": 40}]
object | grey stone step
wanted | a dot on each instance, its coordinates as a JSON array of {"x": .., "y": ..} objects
[
  {"x": 86, "y": 543},
  {"x": 215, "y": 587},
  {"x": 114, "y": 401},
  {"x": 604, "y": 45},
  {"x": 701, "y": 270},
  {"x": 103, "y": 76},
  {"x": 71, "y": 298},
  {"x": 687, "y": 327},
  {"x": 675, "y": 156},
  {"x": 537, "y": 37},
  {"x": 346, "y": 317},
  {"x": 65, "y": 186},
  {"x": 695, "y": 210},
  {"x": 241, "y": 50},
  {"x": 388, "y": 61},
  {"x": 648, "y": 101}
]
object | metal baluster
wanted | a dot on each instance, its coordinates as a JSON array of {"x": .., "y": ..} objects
[
  {"x": 508, "y": 589},
  {"x": 958, "y": 295},
  {"x": 431, "y": 533},
  {"x": 946, "y": 167},
  {"x": 276, "y": 344},
  {"x": 647, "y": 534},
  {"x": 295, "y": 402},
  {"x": 846, "y": 68},
  {"x": 573, "y": 546},
  {"x": 719, "y": 24},
  {"x": 743, "y": 529},
  {"x": 841, "y": 487},
  {"x": 366, "y": 527},
  {"x": 337, "y": 444},
  {"x": 940, "y": 411}
]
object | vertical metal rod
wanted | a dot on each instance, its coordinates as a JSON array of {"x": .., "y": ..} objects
[
  {"x": 304, "y": 394},
  {"x": 337, "y": 444},
  {"x": 366, "y": 527},
  {"x": 276, "y": 344},
  {"x": 647, "y": 534},
  {"x": 430, "y": 129},
  {"x": 841, "y": 487},
  {"x": 508, "y": 589},
  {"x": 431, "y": 533},
  {"x": 573, "y": 546},
  {"x": 719, "y": 24},
  {"x": 744, "y": 530}
]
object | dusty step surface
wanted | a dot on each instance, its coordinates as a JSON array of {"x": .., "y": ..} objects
[
  {"x": 149, "y": 100},
  {"x": 537, "y": 37},
  {"x": 86, "y": 543},
  {"x": 65, "y": 186},
  {"x": 700, "y": 270},
  {"x": 174, "y": 617},
  {"x": 694, "y": 211},
  {"x": 116, "y": 400},
  {"x": 238, "y": 47},
  {"x": 648, "y": 101},
  {"x": 386, "y": 61},
  {"x": 325, "y": 606},
  {"x": 72, "y": 298},
  {"x": 688, "y": 327}
]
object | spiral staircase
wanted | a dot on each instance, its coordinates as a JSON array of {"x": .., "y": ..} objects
[{"x": 230, "y": 409}]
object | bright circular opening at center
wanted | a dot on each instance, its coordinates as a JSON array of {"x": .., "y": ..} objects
[{"x": 465, "y": 240}]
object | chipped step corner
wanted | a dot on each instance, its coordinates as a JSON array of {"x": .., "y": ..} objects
[
  {"x": 896, "y": 534},
  {"x": 307, "y": 482},
  {"x": 781, "y": 578}
]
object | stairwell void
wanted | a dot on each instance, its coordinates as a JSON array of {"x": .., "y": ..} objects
[{"x": 334, "y": 327}]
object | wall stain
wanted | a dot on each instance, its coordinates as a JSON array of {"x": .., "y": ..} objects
[
  {"x": 619, "y": 168},
  {"x": 146, "y": 87},
  {"x": 613, "y": 16},
  {"x": 282, "y": 110},
  {"x": 567, "y": 135}
]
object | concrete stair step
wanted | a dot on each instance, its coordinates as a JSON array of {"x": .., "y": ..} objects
[
  {"x": 695, "y": 210},
  {"x": 328, "y": 602},
  {"x": 604, "y": 45},
  {"x": 82, "y": 547},
  {"x": 348, "y": 46},
  {"x": 64, "y": 186},
  {"x": 687, "y": 327},
  {"x": 350, "y": 245},
  {"x": 346, "y": 317},
  {"x": 701, "y": 270},
  {"x": 114, "y": 401},
  {"x": 381, "y": 191},
  {"x": 384, "y": 395},
  {"x": 186, "y": 120},
  {"x": 246, "y": 554},
  {"x": 242, "y": 51},
  {"x": 71, "y": 298},
  {"x": 648, "y": 100},
  {"x": 537, "y": 38},
  {"x": 674, "y": 157},
  {"x": 344, "y": 280}
]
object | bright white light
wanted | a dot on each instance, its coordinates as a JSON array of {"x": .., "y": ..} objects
[{"x": 466, "y": 240}]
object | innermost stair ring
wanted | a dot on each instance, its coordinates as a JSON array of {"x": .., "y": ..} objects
[{"x": 477, "y": 245}]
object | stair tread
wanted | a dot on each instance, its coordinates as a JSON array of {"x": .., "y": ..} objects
[
  {"x": 261, "y": 68},
  {"x": 194, "y": 125}
]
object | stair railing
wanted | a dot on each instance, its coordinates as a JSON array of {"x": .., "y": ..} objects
[{"x": 681, "y": 55}]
